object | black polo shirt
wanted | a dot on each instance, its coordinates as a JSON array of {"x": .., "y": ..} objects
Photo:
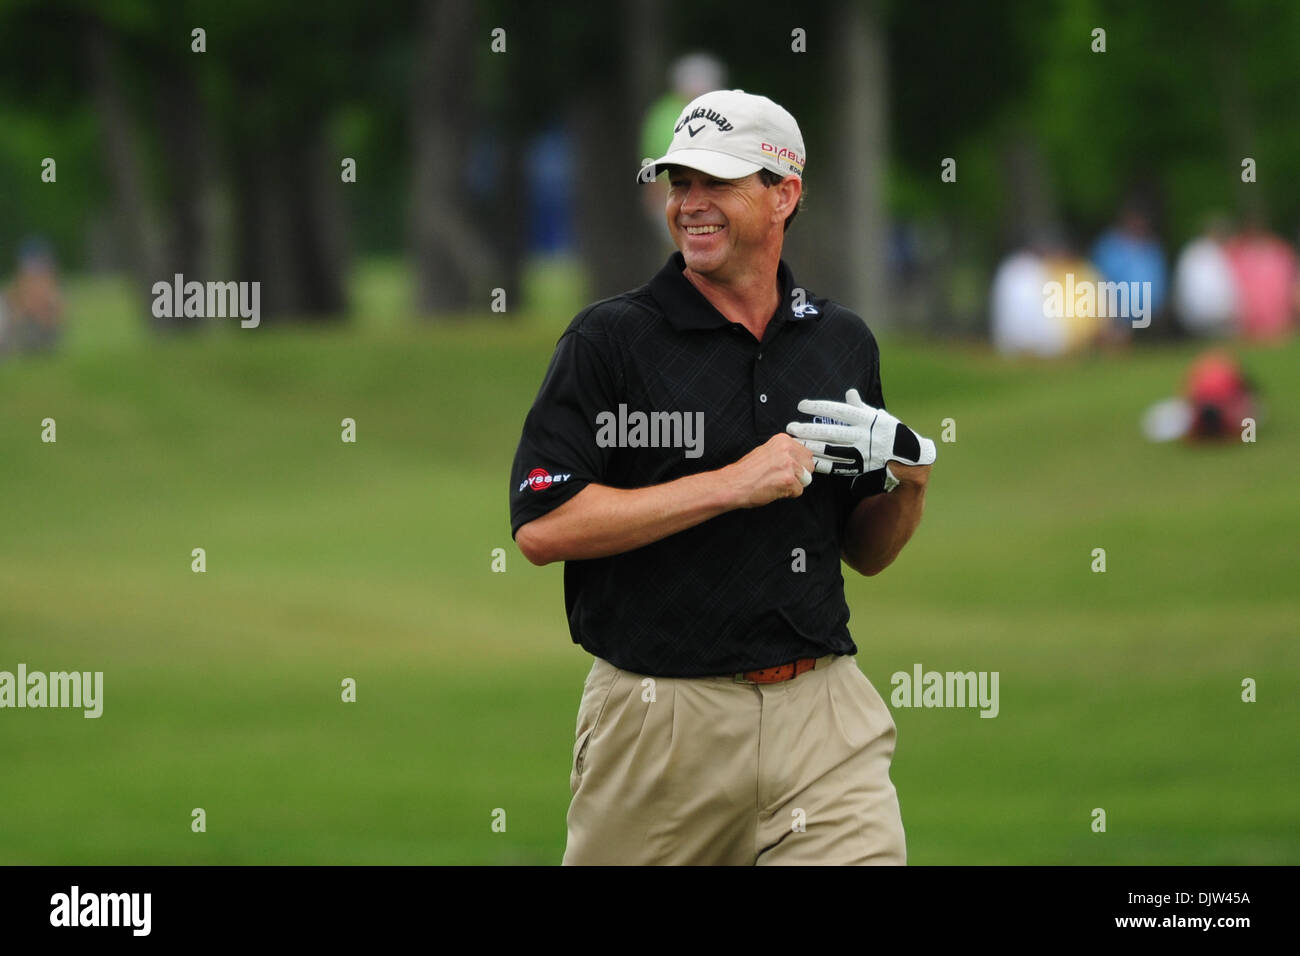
[{"x": 747, "y": 589}]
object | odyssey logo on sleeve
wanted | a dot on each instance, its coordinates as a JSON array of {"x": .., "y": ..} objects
[{"x": 539, "y": 479}]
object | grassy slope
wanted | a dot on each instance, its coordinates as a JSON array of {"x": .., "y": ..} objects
[{"x": 372, "y": 561}]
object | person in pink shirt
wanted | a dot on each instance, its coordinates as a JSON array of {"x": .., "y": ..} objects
[{"x": 1265, "y": 270}]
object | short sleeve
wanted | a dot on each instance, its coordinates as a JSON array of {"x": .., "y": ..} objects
[{"x": 557, "y": 455}]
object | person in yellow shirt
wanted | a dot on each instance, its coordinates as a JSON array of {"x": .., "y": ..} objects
[{"x": 1079, "y": 316}]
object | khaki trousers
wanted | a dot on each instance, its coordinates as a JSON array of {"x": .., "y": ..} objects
[{"x": 711, "y": 771}]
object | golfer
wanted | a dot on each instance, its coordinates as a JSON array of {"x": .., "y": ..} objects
[{"x": 703, "y": 453}]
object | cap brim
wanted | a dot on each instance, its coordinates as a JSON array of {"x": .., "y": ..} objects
[{"x": 706, "y": 161}]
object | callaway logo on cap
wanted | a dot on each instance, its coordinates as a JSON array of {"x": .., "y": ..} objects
[{"x": 731, "y": 134}]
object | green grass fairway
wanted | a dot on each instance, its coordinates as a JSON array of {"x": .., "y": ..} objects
[{"x": 373, "y": 561}]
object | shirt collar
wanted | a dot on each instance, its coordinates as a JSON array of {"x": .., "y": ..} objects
[{"x": 685, "y": 307}]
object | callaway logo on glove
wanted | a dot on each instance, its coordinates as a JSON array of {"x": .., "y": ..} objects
[{"x": 868, "y": 439}]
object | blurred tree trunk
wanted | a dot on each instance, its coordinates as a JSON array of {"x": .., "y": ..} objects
[
  {"x": 860, "y": 91},
  {"x": 259, "y": 218},
  {"x": 510, "y": 215},
  {"x": 290, "y": 222},
  {"x": 290, "y": 227},
  {"x": 122, "y": 152},
  {"x": 1238, "y": 121},
  {"x": 455, "y": 267},
  {"x": 186, "y": 149},
  {"x": 1031, "y": 207},
  {"x": 617, "y": 250},
  {"x": 315, "y": 227}
]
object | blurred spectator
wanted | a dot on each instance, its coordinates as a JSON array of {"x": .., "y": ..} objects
[
  {"x": 1265, "y": 270},
  {"x": 1018, "y": 321},
  {"x": 1205, "y": 289},
  {"x": 1129, "y": 252},
  {"x": 33, "y": 305},
  {"x": 1217, "y": 397},
  {"x": 549, "y": 167},
  {"x": 905, "y": 251},
  {"x": 1044, "y": 299},
  {"x": 1220, "y": 397},
  {"x": 688, "y": 77},
  {"x": 1078, "y": 319}
]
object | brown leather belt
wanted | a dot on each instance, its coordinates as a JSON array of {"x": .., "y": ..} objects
[{"x": 774, "y": 675}]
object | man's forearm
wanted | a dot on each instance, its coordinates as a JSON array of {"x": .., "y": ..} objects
[
  {"x": 600, "y": 521},
  {"x": 881, "y": 525}
]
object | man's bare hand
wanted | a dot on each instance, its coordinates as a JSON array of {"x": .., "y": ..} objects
[{"x": 779, "y": 468}]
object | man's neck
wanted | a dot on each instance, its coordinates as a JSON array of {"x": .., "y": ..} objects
[{"x": 750, "y": 299}]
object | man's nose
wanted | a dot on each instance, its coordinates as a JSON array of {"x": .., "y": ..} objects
[{"x": 695, "y": 198}]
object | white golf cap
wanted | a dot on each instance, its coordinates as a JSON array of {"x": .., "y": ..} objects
[{"x": 730, "y": 134}]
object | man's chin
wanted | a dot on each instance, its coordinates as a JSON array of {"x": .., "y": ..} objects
[{"x": 702, "y": 264}]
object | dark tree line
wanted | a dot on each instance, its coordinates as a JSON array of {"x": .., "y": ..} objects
[{"x": 227, "y": 162}]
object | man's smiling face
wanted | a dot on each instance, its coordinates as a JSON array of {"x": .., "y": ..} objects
[{"x": 718, "y": 224}]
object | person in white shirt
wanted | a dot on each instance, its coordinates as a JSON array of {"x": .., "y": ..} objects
[
  {"x": 1019, "y": 324},
  {"x": 1205, "y": 292}
]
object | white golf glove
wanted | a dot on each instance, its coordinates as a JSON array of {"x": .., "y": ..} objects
[{"x": 868, "y": 439}]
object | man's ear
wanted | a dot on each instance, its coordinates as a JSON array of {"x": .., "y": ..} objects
[{"x": 788, "y": 192}]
